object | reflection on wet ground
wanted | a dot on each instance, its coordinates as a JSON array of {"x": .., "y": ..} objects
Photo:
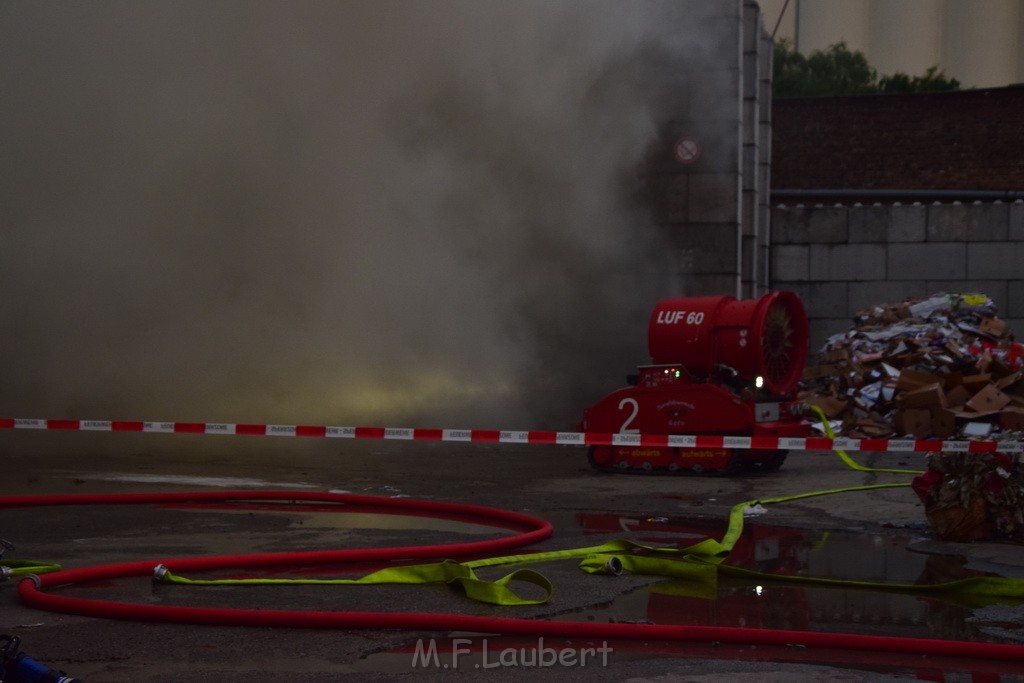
[
  {"x": 97, "y": 534},
  {"x": 347, "y": 517},
  {"x": 769, "y": 604},
  {"x": 854, "y": 557}
]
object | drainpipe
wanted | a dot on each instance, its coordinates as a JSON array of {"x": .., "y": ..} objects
[{"x": 876, "y": 195}]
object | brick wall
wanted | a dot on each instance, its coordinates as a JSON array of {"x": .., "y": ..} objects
[
  {"x": 965, "y": 139},
  {"x": 842, "y": 259}
]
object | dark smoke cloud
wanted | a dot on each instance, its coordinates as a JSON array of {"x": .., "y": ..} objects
[{"x": 333, "y": 212}]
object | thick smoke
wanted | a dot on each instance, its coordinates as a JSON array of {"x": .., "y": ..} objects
[{"x": 331, "y": 212}]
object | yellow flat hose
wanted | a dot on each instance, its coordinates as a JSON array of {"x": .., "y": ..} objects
[
  {"x": 850, "y": 462},
  {"x": 699, "y": 563},
  {"x": 26, "y": 567}
]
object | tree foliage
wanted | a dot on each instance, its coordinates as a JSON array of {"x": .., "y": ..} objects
[
  {"x": 839, "y": 71},
  {"x": 933, "y": 80}
]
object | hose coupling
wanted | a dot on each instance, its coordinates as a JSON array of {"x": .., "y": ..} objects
[
  {"x": 159, "y": 572},
  {"x": 613, "y": 566}
]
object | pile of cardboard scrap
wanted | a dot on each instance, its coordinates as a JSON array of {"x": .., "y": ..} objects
[
  {"x": 944, "y": 366},
  {"x": 973, "y": 496}
]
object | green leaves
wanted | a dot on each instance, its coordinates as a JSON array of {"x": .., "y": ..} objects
[{"x": 839, "y": 71}]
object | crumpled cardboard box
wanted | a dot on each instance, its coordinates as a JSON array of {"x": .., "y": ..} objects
[
  {"x": 946, "y": 354},
  {"x": 942, "y": 367},
  {"x": 973, "y": 496}
]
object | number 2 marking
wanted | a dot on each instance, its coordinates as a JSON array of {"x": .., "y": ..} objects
[{"x": 624, "y": 429}]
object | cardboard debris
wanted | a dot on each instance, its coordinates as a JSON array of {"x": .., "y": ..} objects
[
  {"x": 831, "y": 406},
  {"x": 944, "y": 423},
  {"x": 921, "y": 368},
  {"x": 943, "y": 367},
  {"x": 1011, "y": 419},
  {"x": 988, "y": 400},
  {"x": 928, "y": 396},
  {"x": 973, "y": 496},
  {"x": 993, "y": 327},
  {"x": 915, "y": 422},
  {"x": 958, "y": 395}
]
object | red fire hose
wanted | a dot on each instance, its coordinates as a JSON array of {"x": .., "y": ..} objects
[{"x": 531, "y": 529}]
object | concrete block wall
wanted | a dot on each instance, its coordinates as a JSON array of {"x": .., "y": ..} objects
[
  {"x": 715, "y": 207},
  {"x": 842, "y": 259}
]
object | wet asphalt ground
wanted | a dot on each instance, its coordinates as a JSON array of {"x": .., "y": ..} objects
[{"x": 878, "y": 535}]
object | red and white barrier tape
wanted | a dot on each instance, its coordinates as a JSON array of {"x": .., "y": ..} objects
[{"x": 520, "y": 437}]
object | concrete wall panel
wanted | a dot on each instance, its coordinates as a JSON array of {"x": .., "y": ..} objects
[
  {"x": 848, "y": 262},
  {"x": 713, "y": 197},
  {"x": 1015, "y": 302},
  {"x": 935, "y": 261},
  {"x": 807, "y": 224},
  {"x": 894, "y": 252},
  {"x": 1016, "y": 221},
  {"x": 995, "y": 260},
  {"x": 822, "y": 299},
  {"x": 791, "y": 263},
  {"x": 712, "y": 248},
  {"x": 864, "y": 295},
  {"x": 958, "y": 222},
  {"x": 908, "y": 223},
  {"x": 869, "y": 223}
]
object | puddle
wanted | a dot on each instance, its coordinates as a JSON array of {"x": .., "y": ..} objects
[
  {"x": 347, "y": 516},
  {"x": 769, "y": 604},
  {"x": 797, "y": 552},
  {"x": 187, "y": 480}
]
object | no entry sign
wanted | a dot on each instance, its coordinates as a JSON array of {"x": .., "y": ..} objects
[{"x": 687, "y": 150}]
